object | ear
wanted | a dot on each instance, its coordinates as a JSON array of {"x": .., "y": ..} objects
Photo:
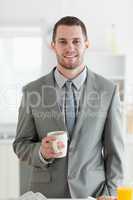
[
  {"x": 87, "y": 44},
  {"x": 52, "y": 45}
]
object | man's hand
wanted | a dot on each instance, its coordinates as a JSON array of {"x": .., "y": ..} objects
[
  {"x": 46, "y": 148},
  {"x": 107, "y": 198}
]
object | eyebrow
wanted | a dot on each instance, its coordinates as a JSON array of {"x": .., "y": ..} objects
[{"x": 71, "y": 39}]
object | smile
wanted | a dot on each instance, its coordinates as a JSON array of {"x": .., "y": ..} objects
[{"x": 70, "y": 56}]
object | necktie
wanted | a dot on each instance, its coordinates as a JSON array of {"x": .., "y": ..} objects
[{"x": 69, "y": 107}]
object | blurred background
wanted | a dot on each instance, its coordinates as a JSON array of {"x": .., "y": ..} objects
[{"x": 25, "y": 54}]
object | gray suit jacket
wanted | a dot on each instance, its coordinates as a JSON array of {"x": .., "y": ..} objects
[{"x": 93, "y": 165}]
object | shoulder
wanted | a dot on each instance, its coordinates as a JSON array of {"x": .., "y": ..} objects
[
  {"x": 39, "y": 83},
  {"x": 100, "y": 82}
]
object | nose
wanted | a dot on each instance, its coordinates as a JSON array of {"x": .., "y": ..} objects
[{"x": 70, "y": 46}]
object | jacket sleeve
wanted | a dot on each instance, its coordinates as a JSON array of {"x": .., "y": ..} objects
[
  {"x": 114, "y": 145},
  {"x": 27, "y": 144}
]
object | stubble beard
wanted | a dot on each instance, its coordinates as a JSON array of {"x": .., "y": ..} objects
[{"x": 70, "y": 66}]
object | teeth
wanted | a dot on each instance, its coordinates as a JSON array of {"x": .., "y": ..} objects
[{"x": 69, "y": 56}]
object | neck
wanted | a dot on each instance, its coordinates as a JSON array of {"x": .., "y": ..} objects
[{"x": 70, "y": 73}]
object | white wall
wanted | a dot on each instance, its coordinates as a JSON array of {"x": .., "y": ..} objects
[{"x": 98, "y": 15}]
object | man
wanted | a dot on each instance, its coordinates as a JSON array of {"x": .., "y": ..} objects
[{"x": 93, "y": 165}]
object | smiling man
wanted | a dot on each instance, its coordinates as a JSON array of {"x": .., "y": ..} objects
[
  {"x": 71, "y": 99},
  {"x": 70, "y": 45}
]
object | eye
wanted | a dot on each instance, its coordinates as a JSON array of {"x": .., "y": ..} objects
[
  {"x": 77, "y": 42},
  {"x": 62, "y": 42}
]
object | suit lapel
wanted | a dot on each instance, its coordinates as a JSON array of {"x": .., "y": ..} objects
[
  {"x": 51, "y": 100},
  {"x": 89, "y": 88}
]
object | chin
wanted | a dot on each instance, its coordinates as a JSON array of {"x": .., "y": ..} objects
[{"x": 70, "y": 65}]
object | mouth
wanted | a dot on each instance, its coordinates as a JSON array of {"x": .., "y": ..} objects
[{"x": 71, "y": 56}]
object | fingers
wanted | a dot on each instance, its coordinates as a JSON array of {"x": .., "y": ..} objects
[
  {"x": 48, "y": 139},
  {"x": 51, "y": 154},
  {"x": 101, "y": 198},
  {"x": 47, "y": 148},
  {"x": 106, "y": 198},
  {"x": 60, "y": 145}
]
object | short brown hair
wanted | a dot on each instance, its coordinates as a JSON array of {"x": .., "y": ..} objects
[{"x": 69, "y": 21}]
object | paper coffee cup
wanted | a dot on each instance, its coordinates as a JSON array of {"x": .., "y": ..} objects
[{"x": 61, "y": 136}]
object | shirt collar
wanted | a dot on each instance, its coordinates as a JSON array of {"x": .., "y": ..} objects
[
  {"x": 78, "y": 81},
  {"x": 60, "y": 79}
]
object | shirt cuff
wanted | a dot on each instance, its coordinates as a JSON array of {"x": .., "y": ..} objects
[{"x": 43, "y": 160}]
